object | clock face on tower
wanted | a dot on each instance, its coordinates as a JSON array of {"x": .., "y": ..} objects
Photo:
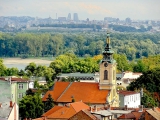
[{"x": 105, "y": 64}]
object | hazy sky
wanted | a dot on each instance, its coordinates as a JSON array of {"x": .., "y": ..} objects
[{"x": 92, "y": 9}]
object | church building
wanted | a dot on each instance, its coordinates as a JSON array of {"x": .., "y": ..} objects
[{"x": 94, "y": 94}]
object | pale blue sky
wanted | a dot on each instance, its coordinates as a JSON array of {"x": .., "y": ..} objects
[{"x": 92, "y": 9}]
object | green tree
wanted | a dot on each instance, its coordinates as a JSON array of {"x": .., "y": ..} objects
[
  {"x": 86, "y": 65},
  {"x": 140, "y": 67},
  {"x": 64, "y": 63},
  {"x": 12, "y": 71},
  {"x": 30, "y": 92},
  {"x": 31, "y": 106},
  {"x": 122, "y": 62},
  {"x": 21, "y": 73},
  {"x": 30, "y": 69},
  {"x": 148, "y": 100},
  {"x": 49, "y": 103},
  {"x": 2, "y": 68},
  {"x": 150, "y": 80}
]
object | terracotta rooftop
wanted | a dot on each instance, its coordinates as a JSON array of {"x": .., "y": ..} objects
[
  {"x": 18, "y": 79},
  {"x": 122, "y": 92},
  {"x": 127, "y": 116},
  {"x": 65, "y": 111},
  {"x": 58, "y": 89},
  {"x": 137, "y": 114},
  {"x": 86, "y": 112},
  {"x": 80, "y": 91},
  {"x": 42, "y": 118},
  {"x": 55, "y": 108},
  {"x": 157, "y": 109},
  {"x": 2, "y": 78}
]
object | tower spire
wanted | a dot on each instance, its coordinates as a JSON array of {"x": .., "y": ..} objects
[{"x": 107, "y": 53}]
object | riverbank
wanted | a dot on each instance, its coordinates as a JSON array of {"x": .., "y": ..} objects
[
  {"x": 25, "y": 61},
  {"x": 22, "y": 63}
]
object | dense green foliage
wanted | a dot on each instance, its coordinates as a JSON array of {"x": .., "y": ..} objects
[
  {"x": 93, "y": 26},
  {"x": 40, "y": 71},
  {"x": 150, "y": 81},
  {"x": 48, "y": 104},
  {"x": 122, "y": 28},
  {"x": 133, "y": 45},
  {"x": 148, "y": 100},
  {"x": 31, "y": 107}
]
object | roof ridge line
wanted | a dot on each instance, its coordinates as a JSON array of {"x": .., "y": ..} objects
[
  {"x": 65, "y": 90},
  {"x": 73, "y": 108}
]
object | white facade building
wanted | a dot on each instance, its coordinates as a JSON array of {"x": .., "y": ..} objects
[{"x": 130, "y": 98}]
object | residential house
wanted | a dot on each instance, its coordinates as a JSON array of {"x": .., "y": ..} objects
[
  {"x": 130, "y": 98},
  {"x": 128, "y": 77},
  {"x": 12, "y": 88},
  {"x": 9, "y": 111},
  {"x": 40, "y": 80},
  {"x": 96, "y": 94}
]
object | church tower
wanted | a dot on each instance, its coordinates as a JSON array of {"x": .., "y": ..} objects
[{"x": 108, "y": 74}]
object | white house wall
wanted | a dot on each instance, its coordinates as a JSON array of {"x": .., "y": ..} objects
[{"x": 132, "y": 101}]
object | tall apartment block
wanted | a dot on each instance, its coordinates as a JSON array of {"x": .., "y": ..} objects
[{"x": 75, "y": 17}]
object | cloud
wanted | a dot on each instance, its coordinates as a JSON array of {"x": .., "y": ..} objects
[{"x": 94, "y": 9}]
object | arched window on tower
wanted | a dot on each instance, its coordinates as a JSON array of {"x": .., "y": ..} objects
[{"x": 105, "y": 75}]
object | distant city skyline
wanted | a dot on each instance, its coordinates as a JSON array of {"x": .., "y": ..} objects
[{"x": 92, "y": 9}]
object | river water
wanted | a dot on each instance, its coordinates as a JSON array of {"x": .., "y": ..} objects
[{"x": 20, "y": 66}]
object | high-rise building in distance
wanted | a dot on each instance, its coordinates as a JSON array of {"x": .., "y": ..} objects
[
  {"x": 69, "y": 16},
  {"x": 75, "y": 17}
]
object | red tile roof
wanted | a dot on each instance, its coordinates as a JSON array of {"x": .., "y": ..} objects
[
  {"x": 55, "y": 108},
  {"x": 59, "y": 87},
  {"x": 66, "y": 112},
  {"x": 127, "y": 116},
  {"x": 42, "y": 118},
  {"x": 86, "y": 112},
  {"x": 133, "y": 115},
  {"x": 127, "y": 92},
  {"x": 79, "y": 106},
  {"x": 19, "y": 80},
  {"x": 1, "y": 78},
  {"x": 137, "y": 115},
  {"x": 80, "y": 91},
  {"x": 157, "y": 109},
  {"x": 13, "y": 79}
]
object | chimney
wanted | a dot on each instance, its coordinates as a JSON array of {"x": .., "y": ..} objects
[
  {"x": 125, "y": 107},
  {"x": 45, "y": 118},
  {"x": 90, "y": 109},
  {"x": 10, "y": 104},
  {"x": 141, "y": 108},
  {"x": 109, "y": 107},
  {"x": 95, "y": 108}
]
